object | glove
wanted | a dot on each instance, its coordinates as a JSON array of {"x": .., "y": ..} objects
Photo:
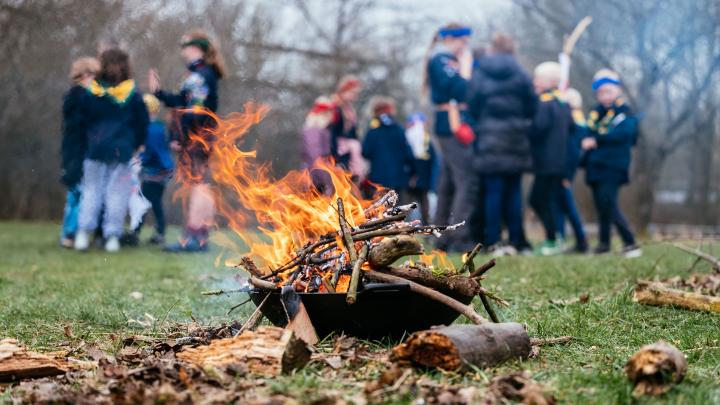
[{"x": 465, "y": 134}]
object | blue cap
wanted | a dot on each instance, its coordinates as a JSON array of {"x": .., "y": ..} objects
[
  {"x": 455, "y": 32},
  {"x": 604, "y": 80}
]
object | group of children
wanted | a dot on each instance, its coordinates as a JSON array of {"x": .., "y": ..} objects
[{"x": 116, "y": 152}]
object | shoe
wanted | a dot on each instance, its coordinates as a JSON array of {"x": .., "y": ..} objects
[
  {"x": 112, "y": 245},
  {"x": 601, "y": 250},
  {"x": 82, "y": 241},
  {"x": 632, "y": 251},
  {"x": 130, "y": 239},
  {"x": 191, "y": 245},
  {"x": 549, "y": 248},
  {"x": 67, "y": 243},
  {"x": 576, "y": 250},
  {"x": 156, "y": 239},
  {"x": 503, "y": 250}
]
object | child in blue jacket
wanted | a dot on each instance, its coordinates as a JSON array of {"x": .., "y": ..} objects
[{"x": 613, "y": 133}]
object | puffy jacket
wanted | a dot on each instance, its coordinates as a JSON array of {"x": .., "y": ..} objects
[
  {"x": 114, "y": 121},
  {"x": 501, "y": 103},
  {"x": 549, "y": 133},
  {"x": 74, "y": 142}
]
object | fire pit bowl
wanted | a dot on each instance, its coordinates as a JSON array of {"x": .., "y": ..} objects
[{"x": 381, "y": 311}]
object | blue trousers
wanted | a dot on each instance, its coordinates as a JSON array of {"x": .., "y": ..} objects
[
  {"x": 70, "y": 214},
  {"x": 503, "y": 203},
  {"x": 605, "y": 195},
  {"x": 566, "y": 208}
]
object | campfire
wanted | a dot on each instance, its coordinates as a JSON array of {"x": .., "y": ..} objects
[{"x": 331, "y": 258}]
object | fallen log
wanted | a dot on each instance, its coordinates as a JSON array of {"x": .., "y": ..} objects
[
  {"x": 651, "y": 293},
  {"x": 17, "y": 363},
  {"x": 388, "y": 250},
  {"x": 462, "y": 285},
  {"x": 655, "y": 368},
  {"x": 457, "y": 347},
  {"x": 268, "y": 351},
  {"x": 466, "y": 310}
]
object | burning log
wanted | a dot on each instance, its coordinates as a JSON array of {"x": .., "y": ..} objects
[
  {"x": 655, "y": 368},
  {"x": 466, "y": 310},
  {"x": 457, "y": 347},
  {"x": 388, "y": 250},
  {"x": 388, "y": 200},
  {"x": 656, "y": 294},
  {"x": 269, "y": 352}
]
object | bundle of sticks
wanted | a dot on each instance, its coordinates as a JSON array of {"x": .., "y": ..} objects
[{"x": 341, "y": 261}]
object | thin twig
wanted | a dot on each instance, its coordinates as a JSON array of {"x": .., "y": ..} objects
[
  {"x": 489, "y": 309},
  {"x": 346, "y": 231},
  {"x": 355, "y": 277},
  {"x": 237, "y": 306},
  {"x": 711, "y": 259},
  {"x": 255, "y": 318},
  {"x": 551, "y": 341},
  {"x": 221, "y": 292},
  {"x": 469, "y": 263},
  {"x": 477, "y": 273}
]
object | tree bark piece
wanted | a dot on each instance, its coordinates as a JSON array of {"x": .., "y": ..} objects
[
  {"x": 655, "y": 368},
  {"x": 463, "y": 309},
  {"x": 457, "y": 347},
  {"x": 656, "y": 294},
  {"x": 388, "y": 250},
  {"x": 268, "y": 351},
  {"x": 462, "y": 285},
  {"x": 17, "y": 363}
]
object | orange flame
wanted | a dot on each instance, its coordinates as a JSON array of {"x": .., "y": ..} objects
[{"x": 289, "y": 211}]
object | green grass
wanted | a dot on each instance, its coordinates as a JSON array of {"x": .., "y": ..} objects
[{"x": 43, "y": 288}]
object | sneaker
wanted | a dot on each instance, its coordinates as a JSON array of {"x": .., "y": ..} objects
[
  {"x": 601, "y": 250},
  {"x": 112, "y": 245},
  {"x": 576, "y": 250},
  {"x": 503, "y": 250},
  {"x": 157, "y": 239},
  {"x": 130, "y": 239},
  {"x": 191, "y": 245},
  {"x": 67, "y": 243},
  {"x": 82, "y": 241},
  {"x": 632, "y": 251},
  {"x": 550, "y": 248}
]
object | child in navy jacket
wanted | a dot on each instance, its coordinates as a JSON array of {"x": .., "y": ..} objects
[{"x": 613, "y": 133}]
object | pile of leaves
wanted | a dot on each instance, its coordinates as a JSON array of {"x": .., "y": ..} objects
[{"x": 143, "y": 369}]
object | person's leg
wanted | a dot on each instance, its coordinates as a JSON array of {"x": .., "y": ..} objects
[
  {"x": 619, "y": 220},
  {"x": 602, "y": 194},
  {"x": 446, "y": 185},
  {"x": 540, "y": 198},
  {"x": 513, "y": 206},
  {"x": 573, "y": 216},
  {"x": 117, "y": 196},
  {"x": 493, "y": 187},
  {"x": 560, "y": 209},
  {"x": 153, "y": 191},
  {"x": 70, "y": 213},
  {"x": 464, "y": 204},
  {"x": 92, "y": 196}
]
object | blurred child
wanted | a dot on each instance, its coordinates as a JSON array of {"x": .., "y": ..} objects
[
  {"x": 157, "y": 167},
  {"x": 74, "y": 145},
  {"x": 613, "y": 132},
  {"x": 316, "y": 142},
  {"x": 385, "y": 147},
  {"x": 114, "y": 120},
  {"x": 427, "y": 163},
  {"x": 565, "y": 199},
  {"x": 345, "y": 145},
  {"x": 549, "y": 132}
]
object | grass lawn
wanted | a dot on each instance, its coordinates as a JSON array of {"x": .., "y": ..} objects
[{"x": 43, "y": 288}]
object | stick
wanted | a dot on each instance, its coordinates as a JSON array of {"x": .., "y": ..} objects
[
  {"x": 550, "y": 341},
  {"x": 699, "y": 253},
  {"x": 249, "y": 265},
  {"x": 468, "y": 259},
  {"x": 656, "y": 294},
  {"x": 477, "y": 273},
  {"x": 234, "y": 307},
  {"x": 388, "y": 200},
  {"x": 346, "y": 231},
  {"x": 489, "y": 309},
  {"x": 262, "y": 284},
  {"x": 254, "y": 318},
  {"x": 355, "y": 277},
  {"x": 221, "y": 292},
  {"x": 575, "y": 35},
  {"x": 466, "y": 310}
]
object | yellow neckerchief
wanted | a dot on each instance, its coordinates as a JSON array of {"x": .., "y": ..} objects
[
  {"x": 578, "y": 117},
  {"x": 551, "y": 95},
  {"x": 602, "y": 127},
  {"x": 120, "y": 93}
]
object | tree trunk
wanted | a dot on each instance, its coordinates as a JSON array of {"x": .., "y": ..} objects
[
  {"x": 457, "y": 347},
  {"x": 269, "y": 352}
]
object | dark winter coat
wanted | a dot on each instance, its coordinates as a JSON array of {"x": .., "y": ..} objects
[
  {"x": 501, "y": 103},
  {"x": 615, "y": 131},
  {"x": 156, "y": 159},
  {"x": 114, "y": 121},
  {"x": 549, "y": 132},
  {"x": 390, "y": 156},
  {"x": 74, "y": 142},
  {"x": 574, "y": 148},
  {"x": 445, "y": 84}
]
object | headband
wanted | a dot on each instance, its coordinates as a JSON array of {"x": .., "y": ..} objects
[
  {"x": 319, "y": 108},
  {"x": 456, "y": 32},
  {"x": 604, "y": 80},
  {"x": 201, "y": 43},
  {"x": 349, "y": 85}
]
